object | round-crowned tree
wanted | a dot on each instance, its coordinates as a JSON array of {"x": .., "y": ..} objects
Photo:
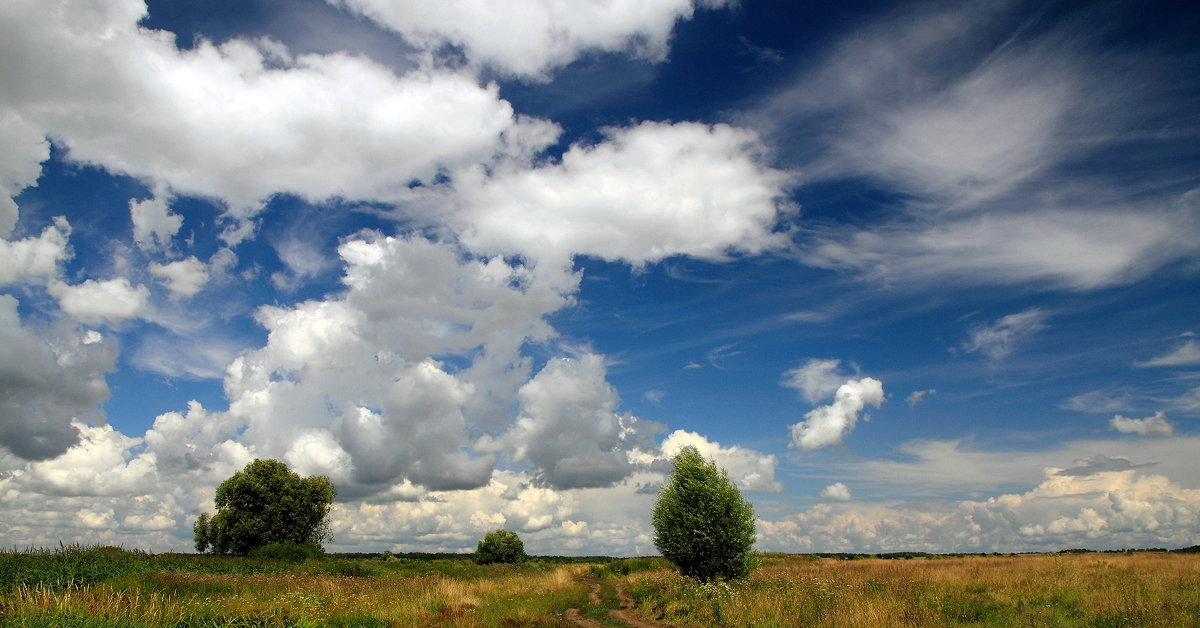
[
  {"x": 266, "y": 503},
  {"x": 500, "y": 546},
  {"x": 702, "y": 523}
]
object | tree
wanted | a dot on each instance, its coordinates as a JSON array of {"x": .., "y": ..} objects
[
  {"x": 202, "y": 528},
  {"x": 701, "y": 522},
  {"x": 500, "y": 546},
  {"x": 266, "y": 503}
]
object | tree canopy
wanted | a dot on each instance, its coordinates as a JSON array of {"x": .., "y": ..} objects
[
  {"x": 500, "y": 546},
  {"x": 702, "y": 523},
  {"x": 263, "y": 504}
]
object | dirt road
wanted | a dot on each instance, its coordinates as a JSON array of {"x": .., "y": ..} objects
[{"x": 624, "y": 614}]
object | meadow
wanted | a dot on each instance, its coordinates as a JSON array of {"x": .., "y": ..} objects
[{"x": 103, "y": 587}]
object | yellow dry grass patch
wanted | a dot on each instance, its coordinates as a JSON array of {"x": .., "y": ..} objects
[
  {"x": 474, "y": 596},
  {"x": 1147, "y": 589}
]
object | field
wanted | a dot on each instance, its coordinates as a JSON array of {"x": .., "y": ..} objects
[{"x": 110, "y": 587}]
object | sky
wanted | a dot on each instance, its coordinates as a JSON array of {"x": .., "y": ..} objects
[{"x": 919, "y": 276}]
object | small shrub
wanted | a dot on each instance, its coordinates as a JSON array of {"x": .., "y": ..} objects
[
  {"x": 287, "y": 551},
  {"x": 500, "y": 546},
  {"x": 626, "y": 566}
]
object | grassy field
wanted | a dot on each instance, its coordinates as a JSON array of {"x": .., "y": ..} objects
[
  {"x": 1092, "y": 590},
  {"x": 110, "y": 587}
]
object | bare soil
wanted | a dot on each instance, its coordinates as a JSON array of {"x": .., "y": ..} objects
[{"x": 624, "y": 614}]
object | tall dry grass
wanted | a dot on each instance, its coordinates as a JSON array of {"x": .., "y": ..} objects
[
  {"x": 1088, "y": 590},
  {"x": 393, "y": 595},
  {"x": 1101, "y": 590}
]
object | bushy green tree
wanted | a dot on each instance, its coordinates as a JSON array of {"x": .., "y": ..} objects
[
  {"x": 702, "y": 523},
  {"x": 203, "y": 530},
  {"x": 266, "y": 503},
  {"x": 500, "y": 546}
]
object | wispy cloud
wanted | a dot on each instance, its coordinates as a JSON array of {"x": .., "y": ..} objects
[
  {"x": 1187, "y": 354},
  {"x": 761, "y": 54},
  {"x": 1101, "y": 401},
  {"x": 816, "y": 378},
  {"x": 942, "y": 467},
  {"x": 718, "y": 356},
  {"x": 918, "y": 396},
  {"x": 1069, "y": 245},
  {"x": 1000, "y": 338},
  {"x": 989, "y": 133}
]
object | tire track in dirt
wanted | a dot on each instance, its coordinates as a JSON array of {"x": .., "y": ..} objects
[
  {"x": 574, "y": 617},
  {"x": 624, "y": 614}
]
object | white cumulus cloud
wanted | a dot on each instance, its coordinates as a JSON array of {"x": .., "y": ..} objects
[
  {"x": 1102, "y": 510},
  {"x": 99, "y": 465},
  {"x": 749, "y": 469},
  {"x": 828, "y": 425},
  {"x": 25, "y": 148},
  {"x": 531, "y": 38},
  {"x": 636, "y": 196},
  {"x": 568, "y": 427},
  {"x": 817, "y": 379},
  {"x": 836, "y": 492},
  {"x": 183, "y": 278},
  {"x": 358, "y": 371},
  {"x": 127, "y": 99},
  {"x": 1156, "y": 425},
  {"x": 35, "y": 257},
  {"x": 111, "y": 301},
  {"x": 153, "y": 222}
]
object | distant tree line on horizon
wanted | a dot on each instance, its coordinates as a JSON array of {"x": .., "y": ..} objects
[{"x": 702, "y": 523}]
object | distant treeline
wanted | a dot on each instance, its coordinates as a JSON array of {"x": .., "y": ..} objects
[
  {"x": 837, "y": 555},
  {"x": 1194, "y": 549},
  {"x": 425, "y": 556}
]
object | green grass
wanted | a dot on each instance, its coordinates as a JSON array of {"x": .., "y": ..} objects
[
  {"x": 103, "y": 587},
  {"x": 99, "y": 587},
  {"x": 75, "y": 566}
]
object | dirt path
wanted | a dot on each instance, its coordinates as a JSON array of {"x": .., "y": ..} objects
[
  {"x": 624, "y": 614},
  {"x": 574, "y": 617}
]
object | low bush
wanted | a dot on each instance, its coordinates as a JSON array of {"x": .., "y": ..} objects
[
  {"x": 626, "y": 566},
  {"x": 287, "y": 551}
]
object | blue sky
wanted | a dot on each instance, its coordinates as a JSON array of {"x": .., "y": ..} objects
[{"x": 921, "y": 276}]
